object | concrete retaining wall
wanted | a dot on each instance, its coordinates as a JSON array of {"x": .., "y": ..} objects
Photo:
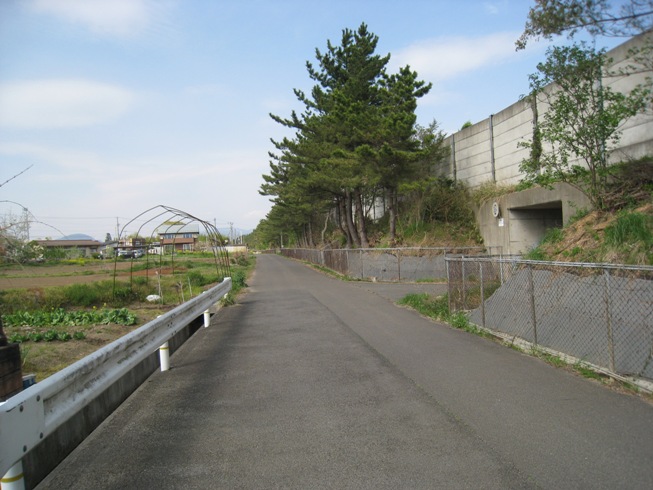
[{"x": 488, "y": 151}]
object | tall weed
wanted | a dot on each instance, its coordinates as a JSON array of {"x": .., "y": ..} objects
[{"x": 630, "y": 228}]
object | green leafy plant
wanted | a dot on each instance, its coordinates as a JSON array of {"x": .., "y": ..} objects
[{"x": 58, "y": 317}]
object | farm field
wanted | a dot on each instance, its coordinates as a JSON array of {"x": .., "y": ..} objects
[
  {"x": 88, "y": 287},
  {"x": 29, "y": 276}
]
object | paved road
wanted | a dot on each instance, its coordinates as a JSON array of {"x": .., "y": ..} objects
[{"x": 315, "y": 383}]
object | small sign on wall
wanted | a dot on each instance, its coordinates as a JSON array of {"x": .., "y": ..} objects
[{"x": 500, "y": 221}]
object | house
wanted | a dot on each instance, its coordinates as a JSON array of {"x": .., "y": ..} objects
[
  {"x": 178, "y": 237},
  {"x": 78, "y": 248}
]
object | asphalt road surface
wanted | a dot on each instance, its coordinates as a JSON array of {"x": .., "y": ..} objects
[{"x": 311, "y": 382}]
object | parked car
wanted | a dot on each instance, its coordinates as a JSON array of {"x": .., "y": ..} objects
[
  {"x": 125, "y": 254},
  {"x": 138, "y": 253}
]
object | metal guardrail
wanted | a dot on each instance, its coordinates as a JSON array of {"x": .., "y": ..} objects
[
  {"x": 598, "y": 314},
  {"x": 33, "y": 414}
]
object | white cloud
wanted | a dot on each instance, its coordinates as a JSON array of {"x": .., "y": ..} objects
[
  {"x": 47, "y": 104},
  {"x": 118, "y": 18},
  {"x": 445, "y": 58},
  {"x": 495, "y": 7},
  {"x": 55, "y": 163}
]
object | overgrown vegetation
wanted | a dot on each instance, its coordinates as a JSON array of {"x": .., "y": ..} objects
[
  {"x": 624, "y": 237},
  {"x": 438, "y": 309}
]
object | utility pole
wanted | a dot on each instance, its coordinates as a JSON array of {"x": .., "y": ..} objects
[{"x": 26, "y": 224}]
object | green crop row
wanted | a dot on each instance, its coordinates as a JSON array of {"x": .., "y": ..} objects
[
  {"x": 48, "y": 336},
  {"x": 59, "y": 316}
]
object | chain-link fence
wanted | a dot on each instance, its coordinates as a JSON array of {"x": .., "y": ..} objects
[
  {"x": 387, "y": 264},
  {"x": 597, "y": 313}
]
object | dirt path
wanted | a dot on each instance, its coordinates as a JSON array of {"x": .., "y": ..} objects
[{"x": 61, "y": 275}]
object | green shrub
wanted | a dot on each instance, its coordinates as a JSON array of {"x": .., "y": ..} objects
[
  {"x": 196, "y": 278},
  {"x": 83, "y": 295},
  {"x": 238, "y": 279}
]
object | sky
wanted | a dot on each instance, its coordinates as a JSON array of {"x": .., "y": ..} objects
[{"x": 110, "y": 108}]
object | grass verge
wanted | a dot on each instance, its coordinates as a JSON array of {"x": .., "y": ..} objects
[{"x": 437, "y": 308}]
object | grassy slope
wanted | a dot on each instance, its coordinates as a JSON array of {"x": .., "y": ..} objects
[{"x": 625, "y": 237}]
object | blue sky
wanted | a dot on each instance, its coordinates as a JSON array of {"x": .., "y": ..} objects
[{"x": 122, "y": 105}]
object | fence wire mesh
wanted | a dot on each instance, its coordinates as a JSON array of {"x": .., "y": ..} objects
[
  {"x": 386, "y": 264},
  {"x": 598, "y": 313}
]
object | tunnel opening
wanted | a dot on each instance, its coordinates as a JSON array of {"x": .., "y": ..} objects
[{"x": 529, "y": 224}]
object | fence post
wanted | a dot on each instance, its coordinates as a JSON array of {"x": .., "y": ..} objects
[
  {"x": 446, "y": 266},
  {"x": 360, "y": 253},
  {"x": 480, "y": 270},
  {"x": 531, "y": 290},
  {"x": 399, "y": 264},
  {"x": 464, "y": 291},
  {"x": 608, "y": 319}
]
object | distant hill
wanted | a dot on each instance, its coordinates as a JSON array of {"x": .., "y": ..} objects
[{"x": 77, "y": 236}]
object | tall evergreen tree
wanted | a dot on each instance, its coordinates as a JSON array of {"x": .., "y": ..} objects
[{"x": 354, "y": 136}]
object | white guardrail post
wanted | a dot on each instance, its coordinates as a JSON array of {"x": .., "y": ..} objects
[
  {"x": 36, "y": 412},
  {"x": 164, "y": 357}
]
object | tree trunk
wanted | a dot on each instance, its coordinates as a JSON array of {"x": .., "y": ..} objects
[
  {"x": 342, "y": 222},
  {"x": 326, "y": 224},
  {"x": 393, "y": 215},
  {"x": 349, "y": 205},
  {"x": 311, "y": 243},
  {"x": 360, "y": 215}
]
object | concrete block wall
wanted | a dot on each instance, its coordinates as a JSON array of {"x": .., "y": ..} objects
[
  {"x": 510, "y": 127},
  {"x": 488, "y": 151}
]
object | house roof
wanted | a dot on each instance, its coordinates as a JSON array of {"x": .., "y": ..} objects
[
  {"x": 177, "y": 229},
  {"x": 68, "y": 243}
]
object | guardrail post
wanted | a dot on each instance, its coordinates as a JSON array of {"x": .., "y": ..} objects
[
  {"x": 164, "y": 357},
  {"x": 14, "y": 479},
  {"x": 207, "y": 318}
]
